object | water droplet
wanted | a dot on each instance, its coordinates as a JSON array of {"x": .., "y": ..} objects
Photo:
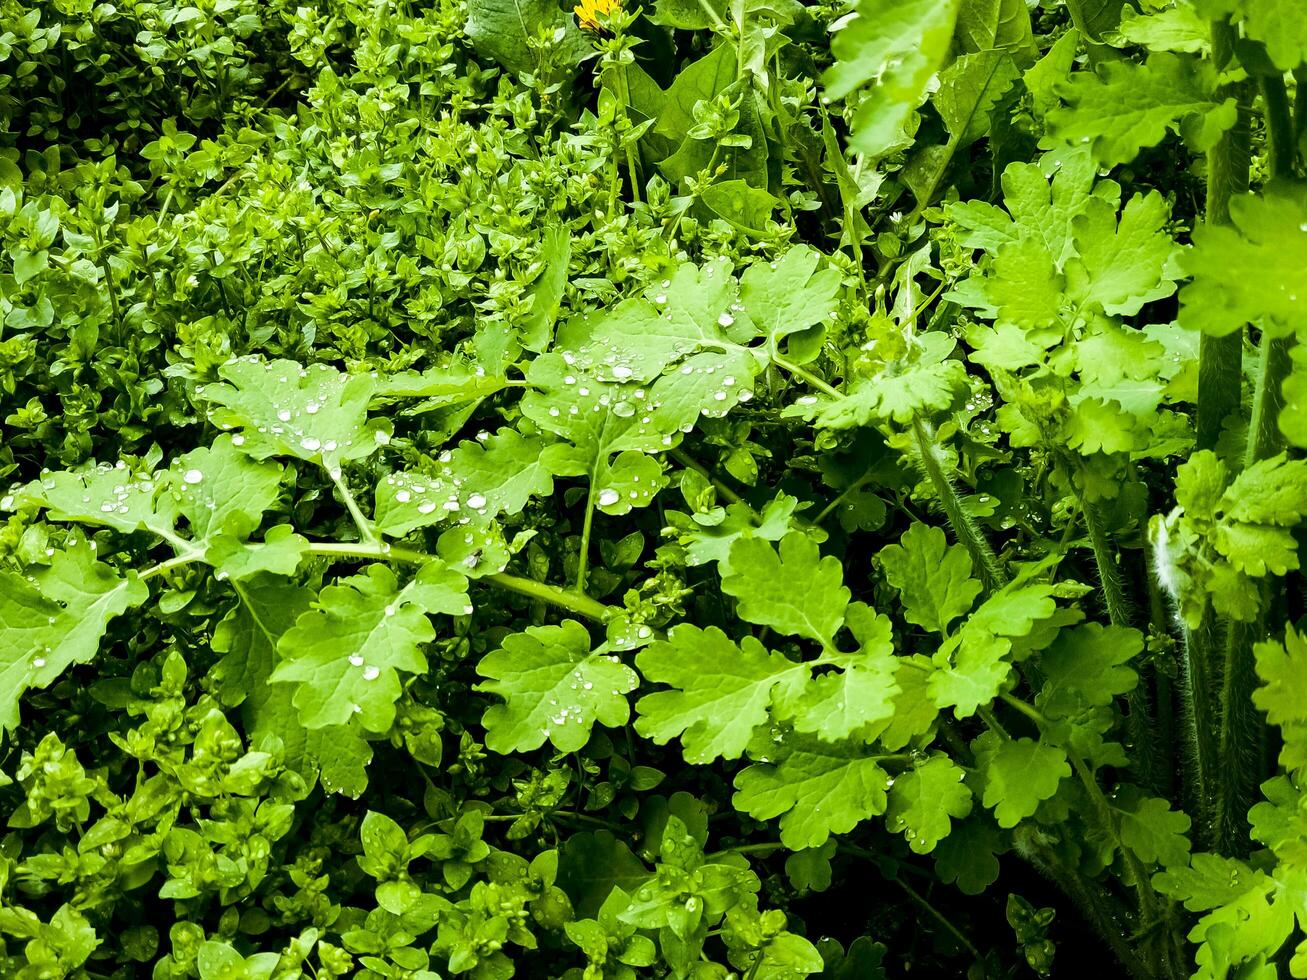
[
  {"x": 311, "y": 444},
  {"x": 356, "y": 659},
  {"x": 608, "y": 497},
  {"x": 476, "y": 501},
  {"x": 725, "y": 320},
  {"x": 238, "y": 440},
  {"x": 621, "y": 371},
  {"x": 371, "y": 672},
  {"x": 403, "y": 496},
  {"x": 192, "y": 477}
]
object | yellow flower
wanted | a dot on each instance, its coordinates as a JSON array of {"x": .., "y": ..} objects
[{"x": 588, "y": 12}]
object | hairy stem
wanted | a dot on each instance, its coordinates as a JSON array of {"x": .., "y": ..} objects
[
  {"x": 1139, "y": 720},
  {"x": 1242, "y": 731},
  {"x": 1220, "y": 358},
  {"x": 587, "y": 527},
  {"x": 964, "y": 528}
]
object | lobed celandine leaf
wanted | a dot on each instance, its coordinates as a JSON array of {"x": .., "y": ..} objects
[
  {"x": 555, "y": 689},
  {"x": 476, "y": 483},
  {"x": 1249, "y": 271},
  {"x": 283, "y": 408},
  {"x": 1019, "y": 774},
  {"x": 57, "y": 620},
  {"x": 933, "y": 578},
  {"x": 721, "y": 691},
  {"x": 923, "y": 799},
  {"x": 247, "y": 637},
  {"x": 817, "y": 788},
  {"x": 345, "y": 654},
  {"x": 838, "y": 703},
  {"x": 106, "y": 495},
  {"x": 1125, "y": 107},
  {"x": 796, "y": 591}
]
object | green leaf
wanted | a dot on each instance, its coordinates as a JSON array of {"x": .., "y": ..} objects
[
  {"x": 1246, "y": 272},
  {"x": 934, "y": 581},
  {"x": 1293, "y": 416},
  {"x": 57, "y": 620},
  {"x": 248, "y": 638},
  {"x": 105, "y": 495},
  {"x": 1122, "y": 267},
  {"x": 500, "y": 29},
  {"x": 888, "y": 53},
  {"x": 970, "y": 672},
  {"x": 282, "y": 408},
  {"x": 1271, "y": 491},
  {"x": 796, "y": 592},
  {"x": 1084, "y": 668},
  {"x": 968, "y": 857},
  {"x": 709, "y": 541},
  {"x": 537, "y": 329},
  {"x": 1155, "y": 832},
  {"x": 345, "y": 654},
  {"x": 923, "y": 799},
  {"x": 1019, "y": 775},
  {"x": 1180, "y": 28},
  {"x": 839, "y": 703},
  {"x": 554, "y": 689},
  {"x": 925, "y": 379},
  {"x": 1126, "y": 107},
  {"x": 816, "y": 788},
  {"x": 477, "y": 482},
  {"x": 791, "y": 295},
  {"x": 721, "y": 691},
  {"x": 1281, "y": 26},
  {"x": 221, "y": 490}
]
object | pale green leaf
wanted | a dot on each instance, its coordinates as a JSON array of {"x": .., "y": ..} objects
[
  {"x": 816, "y": 788},
  {"x": 923, "y": 799},
  {"x": 555, "y": 689},
  {"x": 796, "y": 591},
  {"x": 933, "y": 578},
  {"x": 1019, "y": 774},
  {"x": 721, "y": 691}
]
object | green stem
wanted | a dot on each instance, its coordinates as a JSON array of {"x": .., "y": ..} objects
[
  {"x": 964, "y": 528},
  {"x": 587, "y": 526},
  {"x": 939, "y": 917},
  {"x": 366, "y": 533},
  {"x": 1242, "y": 731},
  {"x": 1197, "y": 710},
  {"x": 799, "y": 372},
  {"x": 1264, "y": 437},
  {"x": 1279, "y": 126},
  {"x": 1220, "y": 370},
  {"x": 1139, "y": 720}
]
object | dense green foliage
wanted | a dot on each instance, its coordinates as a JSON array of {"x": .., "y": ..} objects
[{"x": 697, "y": 490}]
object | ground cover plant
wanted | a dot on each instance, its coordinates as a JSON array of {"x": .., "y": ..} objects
[{"x": 691, "y": 489}]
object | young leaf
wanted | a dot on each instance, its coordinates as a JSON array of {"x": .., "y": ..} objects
[
  {"x": 797, "y": 592},
  {"x": 554, "y": 689},
  {"x": 934, "y": 581},
  {"x": 1019, "y": 775},
  {"x": 923, "y": 799},
  {"x": 889, "y": 51}
]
